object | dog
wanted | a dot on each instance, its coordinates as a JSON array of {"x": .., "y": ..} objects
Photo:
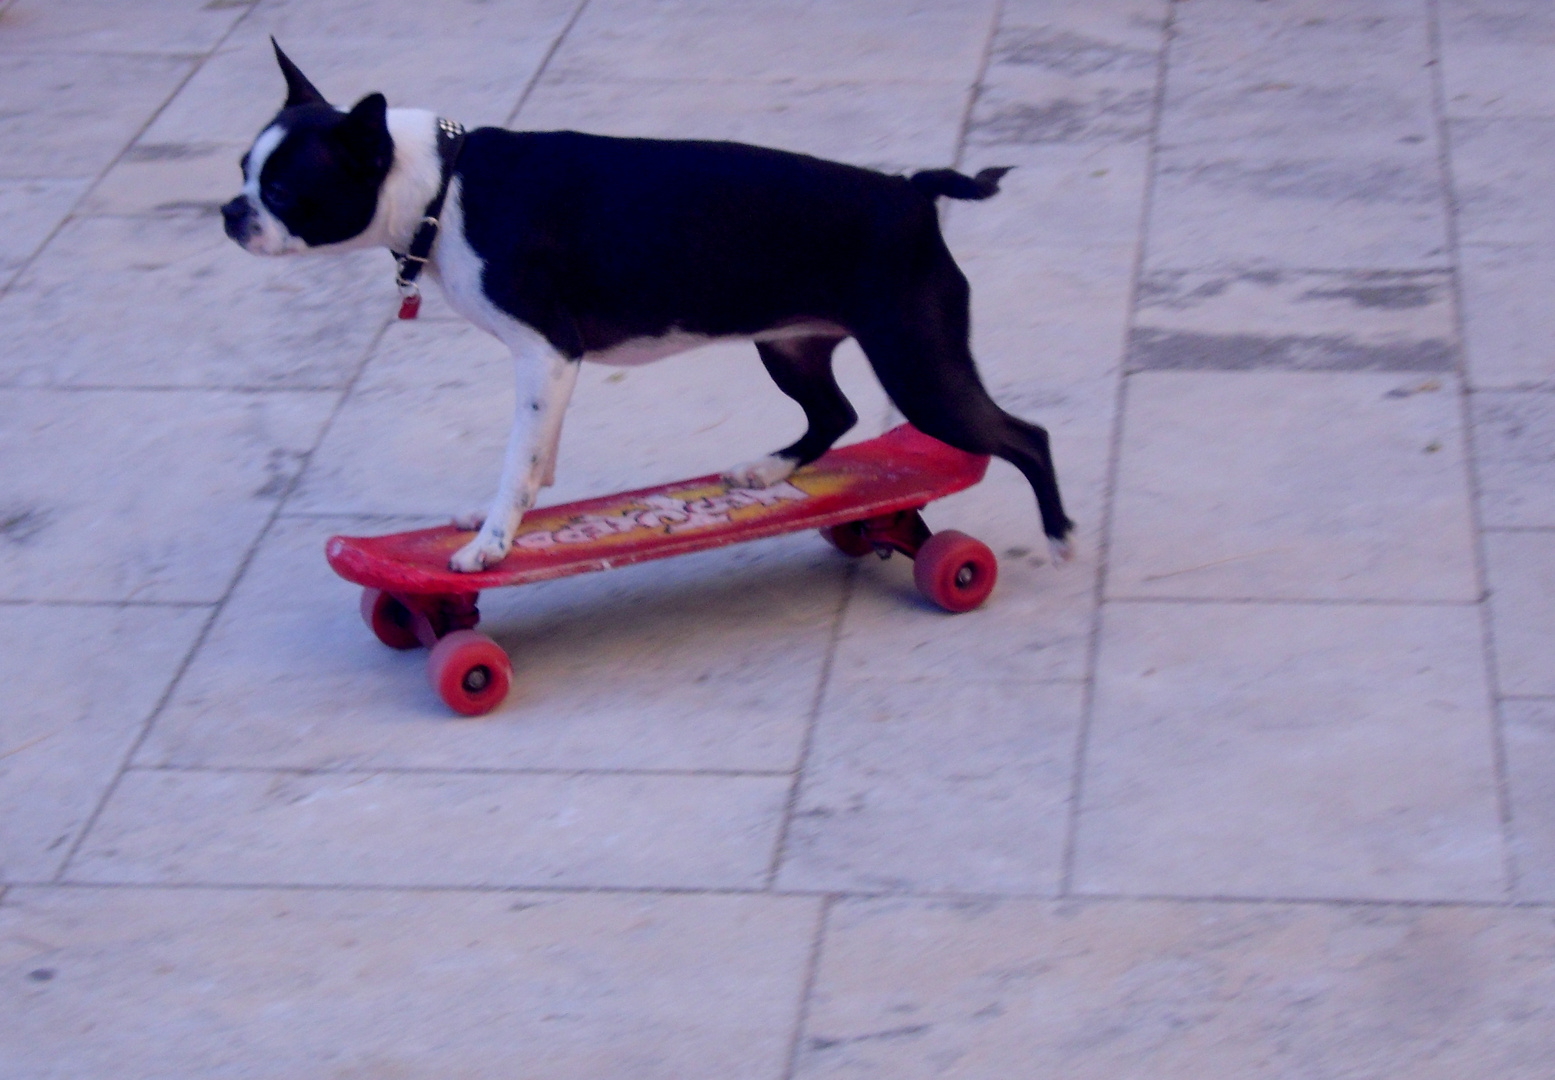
[{"x": 571, "y": 247}]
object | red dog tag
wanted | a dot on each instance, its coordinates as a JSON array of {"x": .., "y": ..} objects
[{"x": 410, "y": 306}]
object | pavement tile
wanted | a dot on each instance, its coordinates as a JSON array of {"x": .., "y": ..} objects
[
  {"x": 76, "y": 686},
  {"x": 935, "y": 785},
  {"x": 1514, "y": 449},
  {"x": 1489, "y": 47},
  {"x": 1295, "y": 320},
  {"x": 421, "y": 435},
  {"x": 170, "y": 301},
  {"x": 1528, "y": 729},
  {"x": 475, "y": 78},
  {"x": 1292, "y": 485},
  {"x": 1070, "y": 72},
  {"x": 1298, "y": 135},
  {"x": 68, "y": 115},
  {"x": 413, "y": 24},
  {"x": 1291, "y": 750},
  {"x": 436, "y": 829},
  {"x": 751, "y": 39},
  {"x": 29, "y": 211},
  {"x": 132, "y": 496},
  {"x": 894, "y": 126},
  {"x": 100, "y": 26},
  {"x": 1521, "y": 571},
  {"x": 1503, "y": 171},
  {"x": 298, "y": 984},
  {"x": 911, "y": 989},
  {"x": 1508, "y": 314},
  {"x": 1300, "y": 73},
  {"x": 706, "y": 662},
  {"x": 1271, "y": 207}
]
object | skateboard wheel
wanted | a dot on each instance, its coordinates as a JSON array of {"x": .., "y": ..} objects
[
  {"x": 955, "y": 571},
  {"x": 848, "y": 538},
  {"x": 470, "y": 672},
  {"x": 388, "y": 619}
]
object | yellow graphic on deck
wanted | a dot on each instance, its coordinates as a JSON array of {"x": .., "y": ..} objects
[{"x": 674, "y": 511}]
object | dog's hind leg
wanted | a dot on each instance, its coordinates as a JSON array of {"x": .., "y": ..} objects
[
  {"x": 920, "y": 354},
  {"x": 802, "y": 369},
  {"x": 545, "y": 380}
]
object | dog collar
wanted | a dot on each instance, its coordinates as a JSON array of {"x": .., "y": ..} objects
[{"x": 450, "y": 140}]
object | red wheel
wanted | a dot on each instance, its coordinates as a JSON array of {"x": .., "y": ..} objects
[
  {"x": 955, "y": 570},
  {"x": 388, "y": 619},
  {"x": 470, "y": 672},
  {"x": 848, "y": 538}
]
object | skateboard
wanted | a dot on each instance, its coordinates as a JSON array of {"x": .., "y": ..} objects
[{"x": 863, "y": 498}]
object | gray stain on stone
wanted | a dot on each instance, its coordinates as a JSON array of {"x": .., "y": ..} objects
[
  {"x": 1062, "y": 120},
  {"x": 1391, "y": 290},
  {"x": 168, "y": 151},
  {"x": 1065, "y": 52},
  {"x": 20, "y": 524},
  {"x": 1336, "y": 180},
  {"x": 1392, "y": 297},
  {"x": 1164, "y": 289},
  {"x": 1180, "y": 350}
]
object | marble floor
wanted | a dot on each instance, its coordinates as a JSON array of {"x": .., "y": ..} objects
[{"x": 1261, "y": 785}]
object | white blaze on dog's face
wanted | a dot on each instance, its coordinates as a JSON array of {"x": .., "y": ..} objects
[
  {"x": 264, "y": 233},
  {"x": 313, "y": 175}
]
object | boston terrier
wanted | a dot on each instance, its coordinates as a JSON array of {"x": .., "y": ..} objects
[{"x": 572, "y": 247}]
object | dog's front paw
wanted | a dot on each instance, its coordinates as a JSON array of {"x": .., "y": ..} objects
[
  {"x": 482, "y": 552},
  {"x": 1061, "y": 550},
  {"x": 471, "y": 520},
  {"x": 763, "y": 472}
]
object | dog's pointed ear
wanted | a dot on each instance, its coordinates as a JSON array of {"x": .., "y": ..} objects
[
  {"x": 299, "y": 91},
  {"x": 364, "y": 134}
]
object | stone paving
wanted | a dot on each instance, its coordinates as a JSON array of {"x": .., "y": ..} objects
[{"x": 1262, "y": 785}]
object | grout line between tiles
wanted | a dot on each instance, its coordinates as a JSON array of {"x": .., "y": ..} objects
[
  {"x": 24, "y": 601},
  {"x": 1514, "y": 391},
  {"x": 156, "y": 388},
  {"x": 1543, "y": 118},
  {"x": 1359, "y": 601},
  {"x": 979, "y": 81},
  {"x": 832, "y": 896},
  {"x": 1114, "y": 458},
  {"x": 1369, "y": 272},
  {"x": 807, "y": 743},
  {"x": 545, "y": 62},
  {"x": 807, "y": 993},
  {"x": 457, "y": 770},
  {"x": 1509, "y": 867}
]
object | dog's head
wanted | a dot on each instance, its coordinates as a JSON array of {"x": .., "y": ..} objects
[{"x": 312, "y": 177}]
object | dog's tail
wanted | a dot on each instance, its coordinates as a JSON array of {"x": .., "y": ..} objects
[{"x": 937, "y": 182}]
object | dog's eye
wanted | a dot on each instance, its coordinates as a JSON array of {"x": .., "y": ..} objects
[{"x": 278, "y": 195}]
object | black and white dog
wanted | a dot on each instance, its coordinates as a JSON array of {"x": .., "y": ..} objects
[{"x": 573, "y": 247}]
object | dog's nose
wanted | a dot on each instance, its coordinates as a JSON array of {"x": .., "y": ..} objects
[{"x": 235, "y": 217}]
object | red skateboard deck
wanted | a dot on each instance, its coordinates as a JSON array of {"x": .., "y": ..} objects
[{"x": 864, "y": 497}]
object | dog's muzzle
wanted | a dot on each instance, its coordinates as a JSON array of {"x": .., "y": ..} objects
[{"x": 237, "y": 218}]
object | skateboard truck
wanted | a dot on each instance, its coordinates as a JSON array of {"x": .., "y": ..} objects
[{"x": 902, "y": 531}]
